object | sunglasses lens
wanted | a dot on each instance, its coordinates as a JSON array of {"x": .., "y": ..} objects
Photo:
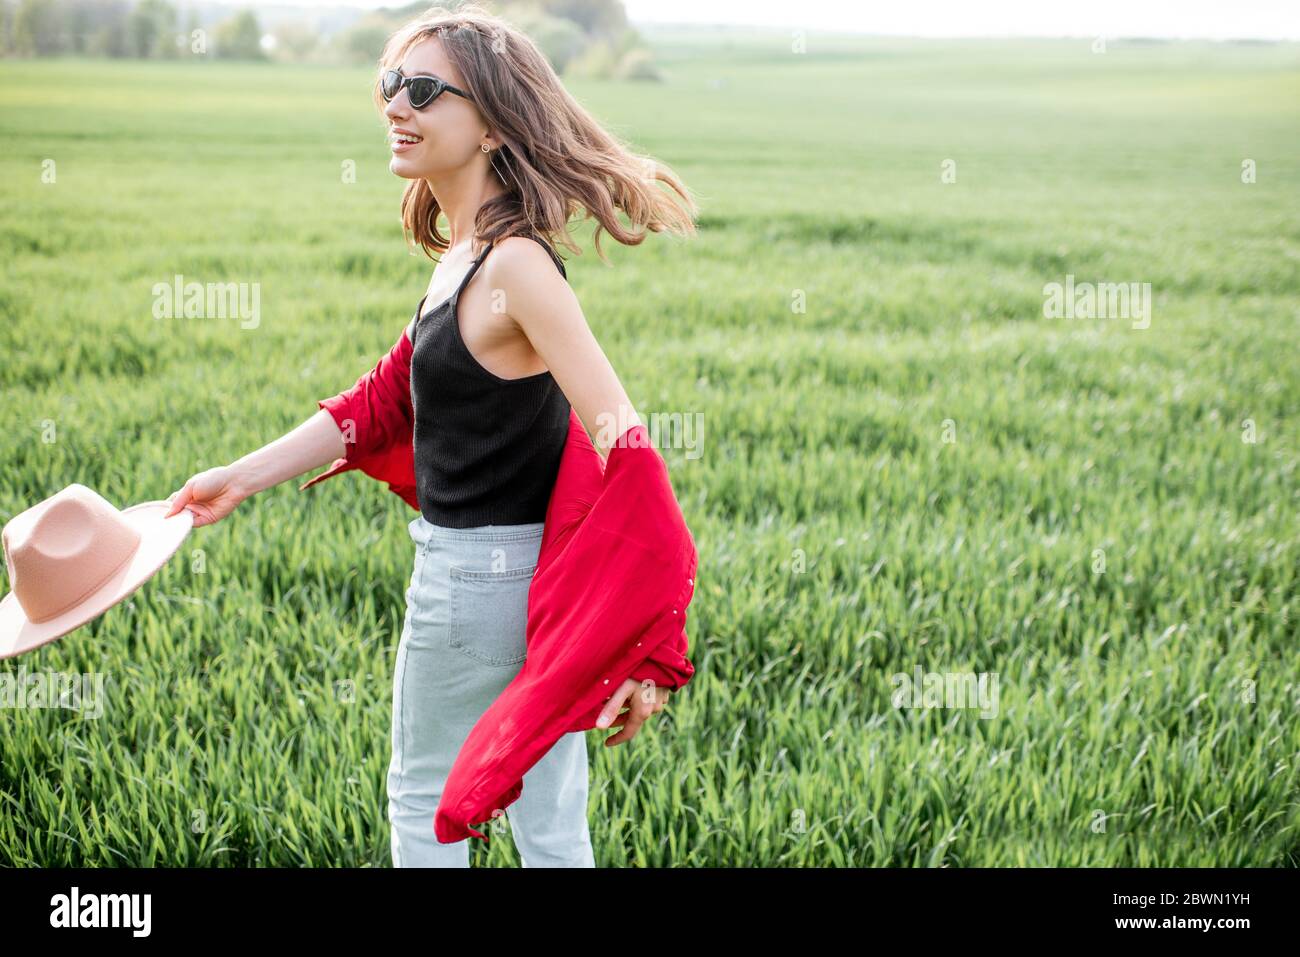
[
  {"x": 390, "y": 84},
  {"x": 422, "y": 90}
]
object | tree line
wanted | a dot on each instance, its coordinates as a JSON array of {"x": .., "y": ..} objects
[
  {"x": 146, "y": 29},
  {"x": 580, "y": 37}
]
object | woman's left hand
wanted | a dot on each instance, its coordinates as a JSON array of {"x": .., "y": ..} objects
[{"x": 640, "y": 705}]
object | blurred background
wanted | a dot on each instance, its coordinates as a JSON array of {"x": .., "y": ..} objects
[
  {"x": 595, "y": 38},
  {"x": 920, "y": 455},
  {"x": 580, "y": 37}
]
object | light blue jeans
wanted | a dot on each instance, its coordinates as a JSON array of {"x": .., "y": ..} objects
[{"x": 462, "y": 642}]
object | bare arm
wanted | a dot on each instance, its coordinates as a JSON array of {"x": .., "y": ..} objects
[
  {"x": 544, "y": 307},
  {"x": 541, "y": 303},
  {"x": 213, "y": 494},
  {"x": 314, "y": 443}
]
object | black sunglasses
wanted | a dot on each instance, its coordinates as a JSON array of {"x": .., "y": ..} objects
[{"x": 422, "y": 90}]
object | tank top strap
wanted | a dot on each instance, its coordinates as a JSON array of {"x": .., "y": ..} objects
[
  {"x": 559, "y": 263},
  {"x": 473, "y": 268}
]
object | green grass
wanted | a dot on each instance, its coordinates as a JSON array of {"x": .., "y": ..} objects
[{"x": 1147, "y": 711}]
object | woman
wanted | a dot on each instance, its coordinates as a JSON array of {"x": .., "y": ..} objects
[{"x": 489, "y": 138}]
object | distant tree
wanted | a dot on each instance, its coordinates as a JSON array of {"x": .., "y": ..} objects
[
  {"x": 599, "y": 18},
  {"x": 598, "y": 61},
  {"x": 240, "y": 38},
  {"x": 185, "y": 44},
  {"x": 167, "y": 46},
  {"x": 97, "y": 27},
  {"x": 37, "y": 28},
  {"x": 151, "y": 29},
  {"x": 637, "y": 64},
  {"x": 560, "y": 40},
  {"x": 110, "y": 40},
  {"x": 295, "y": 39},
  {"x": 77, "y": 18},
  {"x": 364, "y": 42},
  {"x": 588, "y": 38}
]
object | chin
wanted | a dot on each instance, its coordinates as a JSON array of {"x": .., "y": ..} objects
[{"x": 398, "y": 167}]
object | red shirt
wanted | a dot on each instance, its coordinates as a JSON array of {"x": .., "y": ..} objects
[{"x": 615, "y": 574}]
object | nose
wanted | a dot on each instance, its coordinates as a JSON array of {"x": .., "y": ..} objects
[{"x": 398, "y": 106}]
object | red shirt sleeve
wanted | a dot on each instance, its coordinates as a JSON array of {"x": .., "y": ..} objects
[
  {"x": 667, "y": 666},
  {"x": 377, "y": 421},
  {"x": 376, "y": 411}
]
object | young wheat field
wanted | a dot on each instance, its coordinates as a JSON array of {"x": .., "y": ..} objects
[{"x": 910, "y": 462}]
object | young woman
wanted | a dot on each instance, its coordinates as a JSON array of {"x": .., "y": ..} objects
[{"x": 488, "y": 137}]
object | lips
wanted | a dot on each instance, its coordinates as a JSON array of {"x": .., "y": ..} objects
[{"x": 403, "y": 140}]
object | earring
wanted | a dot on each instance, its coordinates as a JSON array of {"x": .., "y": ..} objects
[{"x": 485, "y": 148}]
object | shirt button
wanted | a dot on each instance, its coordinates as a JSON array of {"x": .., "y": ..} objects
[{"x": 606, "y": 681}]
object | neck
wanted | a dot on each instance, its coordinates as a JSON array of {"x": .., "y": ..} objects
[{"x": 460, "y": 194}]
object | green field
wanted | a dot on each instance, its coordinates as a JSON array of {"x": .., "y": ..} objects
[{"x": 917, "y": 470}]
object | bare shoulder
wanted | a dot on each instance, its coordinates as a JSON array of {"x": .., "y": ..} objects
[
  {"x": 520, "y": 261},
  {"x": 533, "y": 289}
]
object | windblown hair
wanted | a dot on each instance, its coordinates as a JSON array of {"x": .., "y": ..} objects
[{"x": 555, "y": 159}]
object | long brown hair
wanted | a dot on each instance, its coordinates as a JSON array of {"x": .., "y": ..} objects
[{"x": 555, "y": 159}]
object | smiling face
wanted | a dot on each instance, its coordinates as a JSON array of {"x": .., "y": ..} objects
[{"x": 445, "y": 134}]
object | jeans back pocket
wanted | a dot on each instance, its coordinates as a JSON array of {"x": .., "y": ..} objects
[{"x": 489, "y": 613}]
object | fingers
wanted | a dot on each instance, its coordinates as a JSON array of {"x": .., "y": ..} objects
[
  {"x": 180, "y": 498},
  {"x": 613, "y": 706},
  {"x": 650, "y": 700},
  {"x": 653, "y": 695},
  {"x": 632, "y": 724}
]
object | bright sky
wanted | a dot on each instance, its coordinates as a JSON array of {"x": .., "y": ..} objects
[
  {"x": 1216, "y": 19},
  {"x": 1273, "y": 19}
]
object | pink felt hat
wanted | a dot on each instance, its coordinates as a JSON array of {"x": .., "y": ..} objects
[{"x": 73, "y": 556}]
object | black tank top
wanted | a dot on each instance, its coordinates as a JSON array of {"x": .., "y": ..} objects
[{"x": 487, "y": 449}]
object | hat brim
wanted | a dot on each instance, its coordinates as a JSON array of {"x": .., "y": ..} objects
[{"x": 160, "y": 536}]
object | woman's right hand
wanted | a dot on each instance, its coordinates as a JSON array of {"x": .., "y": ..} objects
[{"x": 210, "y": 495}]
